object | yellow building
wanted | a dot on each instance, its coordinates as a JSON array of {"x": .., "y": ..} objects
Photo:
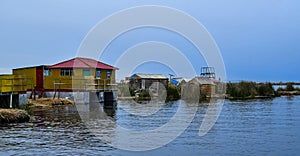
[
  {"x": 13, "y": 84},
  {"x": 6, "y": 83},
  {"x": 77, "y": 74}
]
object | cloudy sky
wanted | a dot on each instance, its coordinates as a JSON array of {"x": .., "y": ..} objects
[{"x": 258, "y": 39}]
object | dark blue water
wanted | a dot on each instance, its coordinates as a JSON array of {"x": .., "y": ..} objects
[{"x": 254, "y": 127}]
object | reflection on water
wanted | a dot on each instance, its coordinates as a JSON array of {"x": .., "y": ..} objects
[
  {"x": 52, "y": 131},
  {"x": 254, "y": 127}
]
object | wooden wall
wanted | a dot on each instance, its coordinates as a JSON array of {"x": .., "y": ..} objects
[
  {"x": 27, "y": 73},
  {"x": 77, "y": 81},
  {"x": 207, "y": 89},
  {"x": 6, "y": 83},
  {"x": 137, "y": 83},
  {"x": 12, "y": 83}
]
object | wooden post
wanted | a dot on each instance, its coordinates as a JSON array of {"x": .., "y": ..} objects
[
  {"x": 171, "y": 78},
  {"x": 54, "y": 90},
  {"x": 34, "y": 94},
  {"x": 10, "y": 102},
  {"x": 85, "y": 83},
  {"x": 11, "y": 95},
  {"x": 104, "y": 84},
  {"x": 58, "y": 95}
]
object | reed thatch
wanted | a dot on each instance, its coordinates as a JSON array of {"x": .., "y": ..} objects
[
  {"x": 48, "y": 102},
  {"x": 13, "y": 116}
]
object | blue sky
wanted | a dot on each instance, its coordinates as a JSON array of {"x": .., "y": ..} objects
[{"x": 258, "y": 39}]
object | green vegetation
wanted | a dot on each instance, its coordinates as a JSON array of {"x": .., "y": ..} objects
[
  {"x": 289, "y": 87},
  {"x": 280, "y": 89},
  {"x": 288, "y": 90},
  {"x": 144, "y": 93},
  {"x": 172, "y": 93},
  {"x": 246, "y": 90}
]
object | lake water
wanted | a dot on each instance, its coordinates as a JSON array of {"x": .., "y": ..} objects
[{"x": 254, "y": 127}]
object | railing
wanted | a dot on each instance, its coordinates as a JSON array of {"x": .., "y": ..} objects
[{"x": 84, "y": 84}]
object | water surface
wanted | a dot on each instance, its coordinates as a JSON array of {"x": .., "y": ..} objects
[{"x": 254, "y": 127}]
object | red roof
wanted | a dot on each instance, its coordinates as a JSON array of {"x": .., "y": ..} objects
[{"x": 82, "y": 63}]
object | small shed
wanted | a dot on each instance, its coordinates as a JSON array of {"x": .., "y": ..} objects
[
  {"x": 207, "y": 86},
  {"x": 144, "y": 81}
]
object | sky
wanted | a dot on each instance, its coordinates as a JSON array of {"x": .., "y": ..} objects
[{"x": 258, "y": 39}]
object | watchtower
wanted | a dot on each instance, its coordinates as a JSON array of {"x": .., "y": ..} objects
[{"x": 208, "y": 72}]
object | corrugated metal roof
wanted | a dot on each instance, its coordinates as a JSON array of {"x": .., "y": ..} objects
[
  {"x": 214, "y": 80},
  {"x": 182, "y": 79},
  {"x": 149, "y": 76},
  {"x": 40, "y": 66},
  {"x": 82, "y": 63}
]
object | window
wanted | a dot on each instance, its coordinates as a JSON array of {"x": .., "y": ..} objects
[
  {"x": 98, "y": 73},
  {"x": 86, "y": 72},
  {"x": 47, "y": 72},
  {"x": 66, "y": 72},
  {"x": 108, "y": 74}
]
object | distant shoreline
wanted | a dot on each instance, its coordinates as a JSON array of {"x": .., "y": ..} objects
[
  {"x": 288, "y": 93},
  {"x": 249, "y": 98}
]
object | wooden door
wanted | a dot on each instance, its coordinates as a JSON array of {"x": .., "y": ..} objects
[{"x": 39, "y": 79}]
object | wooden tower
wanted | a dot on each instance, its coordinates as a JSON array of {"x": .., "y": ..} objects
[{"x": 208, "y": 72}]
